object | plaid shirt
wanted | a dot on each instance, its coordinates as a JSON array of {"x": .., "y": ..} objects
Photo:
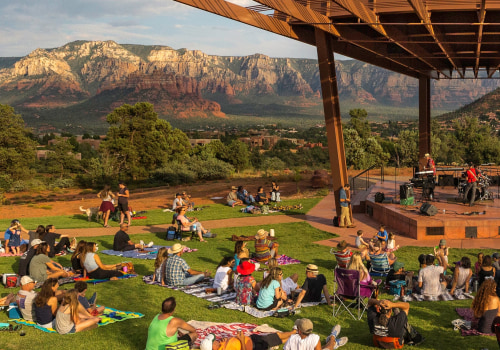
[{"x": 176, "y": 270}]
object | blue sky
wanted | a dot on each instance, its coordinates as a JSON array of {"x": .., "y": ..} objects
[{"x": 28, "y": 25}]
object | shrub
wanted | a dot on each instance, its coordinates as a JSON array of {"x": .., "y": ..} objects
[
  {"x": 61, "y": 183},
  {"x": 210, "y": 169},
  {"x": 174, "y": 174},
  {"x": 28, "y": 185}
]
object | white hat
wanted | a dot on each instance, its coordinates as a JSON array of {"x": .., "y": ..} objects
[
  {"x": 26, "y": 279},
  {"x": 35, "y": 242},
  {"x": 206, "y": 344}
]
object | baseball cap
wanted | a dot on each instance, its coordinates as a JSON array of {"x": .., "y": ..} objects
[
  {"x": 36, "y": 241},
  {"x": 304, "y": 325},
  {"x": 26, "y": 279}
]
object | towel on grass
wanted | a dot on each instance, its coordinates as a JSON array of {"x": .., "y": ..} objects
[
  {"x": 9, "y": 254},
  {"x": 150, "y": 254},
  {"x": 468, "y": 315},
  {"x": 253, "y": 311},
  {"x": 283, "y": 260},
  {"x": 108, "y": 317},
  {"x": 97, "y": 281},
  {"x": 443, "y": 297}
]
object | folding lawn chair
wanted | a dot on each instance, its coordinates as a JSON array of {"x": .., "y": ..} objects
[
  {"x": 180, "y": 231},
  {"x": 379, "y": 265},
  {"x": 350, "y": 293},
  {"x": 343, "y": 258}
]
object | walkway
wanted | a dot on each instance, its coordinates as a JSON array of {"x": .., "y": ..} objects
[{"x": 319, "y": 217}]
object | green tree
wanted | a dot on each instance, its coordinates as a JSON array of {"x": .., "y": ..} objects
[
  {"x": 238, "y": 155},
  {"x": 407, "y": 148},
  {"x": 61, "y": 160},
  {"x": 359, "y": 122},
  {"x": 139, "y": 142},
  {"x": 17, "y": 150},
  {"x": 272, "y": 164}
]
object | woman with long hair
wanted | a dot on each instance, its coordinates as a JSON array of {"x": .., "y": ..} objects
[
  {"x": 72, "y": 317},
  {"x": 76, "y": 257},
  {"x": 224, "y": 274},
  {"x": 94, "y": 267},
  {"x": 39, "y": 232},
  {"x": 486, "y": 270},
  {"x": 486, "y": 305},
  {"x": 107, "y": 205},
  {"x": 357, "y": 264},
  {"x": 271, "y": 296},
  {"x": 42, "y": 267},
  {"x": 479, "y": 262},
  {"x": 45, "y": 303},
  {"x": 161, "y": 258},
  {"x": 461, "y": 276},
  {"x": 190, "y": 224},
  {"x": 240, "y": 252}
]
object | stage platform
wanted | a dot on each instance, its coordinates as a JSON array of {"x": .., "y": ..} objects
[{"x": 453, "y": 220}]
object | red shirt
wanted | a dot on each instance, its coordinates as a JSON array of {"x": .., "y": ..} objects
[
  {"x": 471, "y": 175},
  {"x": 431, "y": 165}
]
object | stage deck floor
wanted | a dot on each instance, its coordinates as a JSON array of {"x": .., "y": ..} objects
[{"x": 453, "y": 220}]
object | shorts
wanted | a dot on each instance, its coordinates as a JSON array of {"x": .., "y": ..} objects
[
  {"x": 264, "y": 342},
  {"x": 123, "y": 207}
]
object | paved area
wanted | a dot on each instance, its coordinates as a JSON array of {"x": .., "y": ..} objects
[{"x": 319, "y": 217}]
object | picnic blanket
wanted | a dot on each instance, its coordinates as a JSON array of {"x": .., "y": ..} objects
[
  {"x": 443, "y": 297},
  {"x": 150, "y": 253},
  {"x": 470, "y": 322},
  {"x": 284, "y": 260},
  {"x": 226, "y": 330},
  {"x": 108, "y": 317},
  {"x": 9, "y": 254},
  {"x": 226, "y": 299},
  {"x": 97, "y": 281}
]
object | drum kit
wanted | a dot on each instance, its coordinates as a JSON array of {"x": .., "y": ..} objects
[{"x": 482, "y": 190}]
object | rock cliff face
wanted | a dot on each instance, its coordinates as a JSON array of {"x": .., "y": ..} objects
[{"x": 185, "y": 84}]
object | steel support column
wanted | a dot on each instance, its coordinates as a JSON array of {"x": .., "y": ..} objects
[
  {"x": 424, "y": 119},
  {"x": 328, "y": 76}
]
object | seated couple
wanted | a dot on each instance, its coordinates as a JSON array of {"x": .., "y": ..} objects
[
  {"x": 188, "y": 224},
  {"x": 123, "y": 243},
  {"x": 41, "y": 267},
  {"x": 178, "y": 272},
  {"x": 43, "y": 307}
]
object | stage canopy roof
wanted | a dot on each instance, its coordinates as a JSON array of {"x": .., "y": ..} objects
[{"x": 420, "y": 38}]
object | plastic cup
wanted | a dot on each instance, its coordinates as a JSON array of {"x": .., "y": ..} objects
[
  {"x": 271, "y": 232},
  {"x": 219, "y": 290}
]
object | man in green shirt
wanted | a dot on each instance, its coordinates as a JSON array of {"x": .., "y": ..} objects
[{"x": 164, "y": 327}]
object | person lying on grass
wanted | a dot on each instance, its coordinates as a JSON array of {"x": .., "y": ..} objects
[
  {"x": 41, "y": 267},
  {"x": 71, "y": 316},
  {"x": 88, "y": 304},
  {"x": 164, "y": 329}
]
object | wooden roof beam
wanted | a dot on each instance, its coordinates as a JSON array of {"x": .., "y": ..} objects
[
  {"x": 491, "y": 71},
  {"x": 421, "y": 11},
  {"x": 481, "y": 14},
  {"x": 365, "y": 14}
]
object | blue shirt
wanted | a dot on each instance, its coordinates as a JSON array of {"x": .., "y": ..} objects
[
  {"x": 343, "y": 195},
  {"x": 382, "y": 235},
  {"x": 266, "y": 295}
]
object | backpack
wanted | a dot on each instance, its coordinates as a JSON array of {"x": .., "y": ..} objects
[
  {"x": 171, "y": 233},
  {"x": 395, "y": 287}
]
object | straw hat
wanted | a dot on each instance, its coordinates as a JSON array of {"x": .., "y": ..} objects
[
  {"x": 261, "y": 234},
  {"x": 234, "y": 188},
  {"x": 177, "y": 247}
]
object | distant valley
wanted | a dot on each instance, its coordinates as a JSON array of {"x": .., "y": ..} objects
[{"x": 73, "y": 87}]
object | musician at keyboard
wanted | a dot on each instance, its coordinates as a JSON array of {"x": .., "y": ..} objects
[{"x": 430, "y": 164}]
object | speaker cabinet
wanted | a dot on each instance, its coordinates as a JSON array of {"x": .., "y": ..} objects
[
  {"x": 428, "y": 209},
  {"x": 405, "y": 191},
  {"x": 446, "y": 180}
]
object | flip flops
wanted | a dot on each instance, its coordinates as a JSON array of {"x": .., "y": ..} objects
[{"x": 6, "y": 327}]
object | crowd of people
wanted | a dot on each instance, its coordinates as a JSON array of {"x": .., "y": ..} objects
[{"x": 240, "y": 196}]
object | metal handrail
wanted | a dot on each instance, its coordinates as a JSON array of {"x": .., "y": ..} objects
[{"x": 366, "y": 172}]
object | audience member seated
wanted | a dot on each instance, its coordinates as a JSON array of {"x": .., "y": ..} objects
[
  {"x": 391, "y": 243},
  {"x": 245, "y": 284},
  {"x": 240, "y": 252},
  {"x": 304, "y": 339},
  {"x": 178, "y": 202},
  {"x": 261, "y": 196},
  {"x": 382, "y": 235},
  {"x": 88, "y": 304},
  {"x": 50, "y": 237},
  {"x": 186, "y": 200},
  {"x": 314, "y": 284},
  {"x": 244, "y": 196},
  {"x": 25, "y": 298},
  {"x": 122, "y": 242},
  {"x": 93, "y": 266},
  {"x": 232, "y": 198},
  {"x": 12, "y": 237},
  {"x": 45, "y": 303},
  {"x": 240, "y": 341},
  {"x": 486, "y": 305},
  {"x": 495, "y": 257},
  {"x": 398, "y": 273},
  {"x": 265, "y": 249},
  {"x": 164, "y": 329},
  {"x": 441, "y": 253},
  {"x": 431, "y": 279},
  {"x": 42, "y": 268},
  {"x": 71, "y": 316},
  {"x": 275, "y": 192},
  {"x": 486, "y": 270},
  {"x": 223, "y": 278},
  {"x": 388, "y": 322},
  {"x": 360, "y": 242},
  {"x": 378, "y": 252},
  {"x": 271, "y": 295},
  {"x": 479, "y": 263},
  {"x": 191, "y": 224},
  {"x": 343, "y": 255},
  {"x": 160, "y": 265},
  {"x": 288, "y": 284},
  {"x": 357, "y": 264},
  {"x": 461, "y": 276},
  {"x": 178, "y": 272},
  {"x": 25, "y": 259},
  {"x": 76, "y": 258}
]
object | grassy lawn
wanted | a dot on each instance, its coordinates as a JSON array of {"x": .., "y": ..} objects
[
  {"x": 157, "y": 216},
  {"x": 433, "y": 320}
]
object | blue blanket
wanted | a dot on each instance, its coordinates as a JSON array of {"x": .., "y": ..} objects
[{"x": 150, "y": 253}]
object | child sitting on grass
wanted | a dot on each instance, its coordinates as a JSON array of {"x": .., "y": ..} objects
[
  {"x": 159, "y": 273},
  {"x": 88, "y": 304},
  {"x": 391, "y": 243},
  {"x": 360, "y": 241},
  {"x": 441, "y": 252}
]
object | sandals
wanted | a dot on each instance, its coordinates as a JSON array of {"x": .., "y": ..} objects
[{"x": 10, "y": 328}]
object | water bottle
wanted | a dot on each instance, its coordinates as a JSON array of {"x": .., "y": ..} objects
[{"x": 475, "y": 286}]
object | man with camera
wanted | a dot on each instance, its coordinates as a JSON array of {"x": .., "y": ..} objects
[{"x": 388, "y": 322}]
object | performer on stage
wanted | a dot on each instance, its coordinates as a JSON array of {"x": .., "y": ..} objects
[
  {"x": 430, "y": 164},
  {"x": 471, "y": 184}
]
